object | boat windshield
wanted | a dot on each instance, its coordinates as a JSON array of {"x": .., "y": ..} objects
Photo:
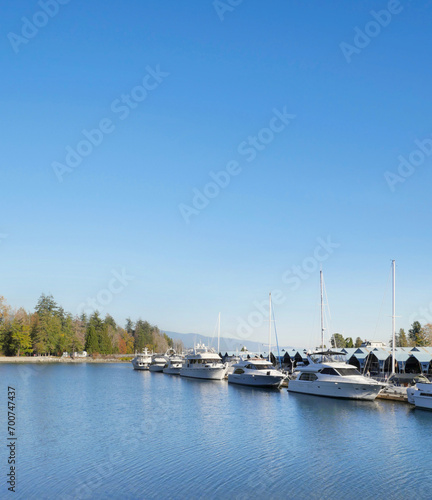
[
  {"x": 326, "y": 357},
  {"x": 346, "y": 372},
  {"x": 264, "y": 367}
]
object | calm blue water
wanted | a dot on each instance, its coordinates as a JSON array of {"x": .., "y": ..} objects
[{"x": 107, "y": 431}]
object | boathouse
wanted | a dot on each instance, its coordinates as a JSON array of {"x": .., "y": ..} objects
[
  {"x": 419, "y": 361},
  {"x": 358, "y": 358}
]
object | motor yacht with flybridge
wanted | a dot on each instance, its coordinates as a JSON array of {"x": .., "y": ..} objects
[
  {"x": 328, "y": 374},
  {"x": 142, "y": 360},
  {"x": 173, "y": 365},
  {"x": 204, "y": 363},
  {"x": 158, "y": 363},
  {"x": 256, "y": 372}
]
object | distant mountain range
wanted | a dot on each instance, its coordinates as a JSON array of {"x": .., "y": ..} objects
[{"x": 226, "y": 344}]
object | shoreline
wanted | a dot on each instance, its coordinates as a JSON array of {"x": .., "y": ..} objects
[{"x": 54, "y": 359}]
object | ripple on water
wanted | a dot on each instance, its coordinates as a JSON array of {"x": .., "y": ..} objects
[{"x": 108, "y": 431}]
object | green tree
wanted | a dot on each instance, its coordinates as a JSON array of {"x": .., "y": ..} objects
[
  {"x": 20, "y": 340},
  {"x": 129, "y": 326},
  {"x": 143, "y": 335},
  {"x": 92, "y": 341},
  {"x": 358, "y": 342},
  {"x": 337, "y": 341},
  {"x": 417, "y": 335},
  {"x": 401, "y": 339},
  {"x": 349, "y": 342},
  {"x": 46, "y": 305}
]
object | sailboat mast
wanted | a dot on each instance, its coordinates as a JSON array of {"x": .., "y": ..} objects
[
  {"x": 218, "y": 350},
  {"x": 394, "y": 318},
  {"x": 322, "y": 316},
  {"x": 269, "y": 342}
]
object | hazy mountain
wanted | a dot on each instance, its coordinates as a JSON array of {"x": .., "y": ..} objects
[{"x": 226, "y": 344}]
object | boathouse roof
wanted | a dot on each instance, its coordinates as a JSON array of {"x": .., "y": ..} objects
[
  {"x": 380, "y": 353},
  {"x": 422, "y": 357}
]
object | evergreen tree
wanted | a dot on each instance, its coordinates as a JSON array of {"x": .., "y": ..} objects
[
  {"x": 104, "y": 341},
  {"x": 401, "y": 339},
  {"x": 143, "y": 335},
  {"x": 349, "y": 342},
  {"x": 46, "y": 305},
  {"x": 129, "y": 326},
  {"x": 417, "y": 335},
  {"x": 92, "y": 342}
]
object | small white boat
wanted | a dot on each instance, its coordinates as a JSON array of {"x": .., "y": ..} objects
[
  {"x": 142, "y": 360},
  {"x": 420, "y": 395},
  {"x": 203, "y": 363},
  {"x": 256, "y": 372},
  {"x": 174, "y": 364}
]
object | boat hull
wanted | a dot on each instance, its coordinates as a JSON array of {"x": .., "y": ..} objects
[
  {"x": 137, "y": 366},
  {"x": 172, "y": 371},
  {"x": 420, "y": 396},
  {"x": 156, "y": 368},
  {"x": 341, "y": 390},
  {"x": 203, "y": 373},
  {"x": 255, "y": 380}
]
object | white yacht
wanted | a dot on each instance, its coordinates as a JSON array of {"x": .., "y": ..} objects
[
  {"x": 328, "y": 375},
  {"x": 158, "y": 363},
  {"x": 203, "y": 363},
  {"x": 174, "y": 364},
  {"x": 142, "y": 360},
  {"x": 257, "y": 372},
  {"x": 420, "y": 395}
]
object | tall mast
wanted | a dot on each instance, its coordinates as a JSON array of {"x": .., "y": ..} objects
[
  {"x": 269, "y": 342},
  {"x": 322, "y": 316},
  {"x": 393, "y": 318},
  {"x": 218, "y": 333}
]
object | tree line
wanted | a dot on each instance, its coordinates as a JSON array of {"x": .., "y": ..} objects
[
  {"x": 418, "y": 336},
  {"x": 52, "y": 330}
]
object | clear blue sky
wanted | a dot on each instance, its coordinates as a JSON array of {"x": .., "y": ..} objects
[{"x": 322, "y": 175}]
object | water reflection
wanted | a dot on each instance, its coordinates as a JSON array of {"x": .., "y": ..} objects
[{"x": 108, "y": 431}]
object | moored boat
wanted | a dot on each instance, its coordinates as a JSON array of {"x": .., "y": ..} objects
[
  {"x": 173, "y": 365},
  {"x": 142, "y": 360},
  {"x": 328, "y": 375},
  {"x": 158, "y": 363},
  {"x": 203, "y": 363},
  {"x": 256, "y": 372},
  {"x": 420, "y": 395}
]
